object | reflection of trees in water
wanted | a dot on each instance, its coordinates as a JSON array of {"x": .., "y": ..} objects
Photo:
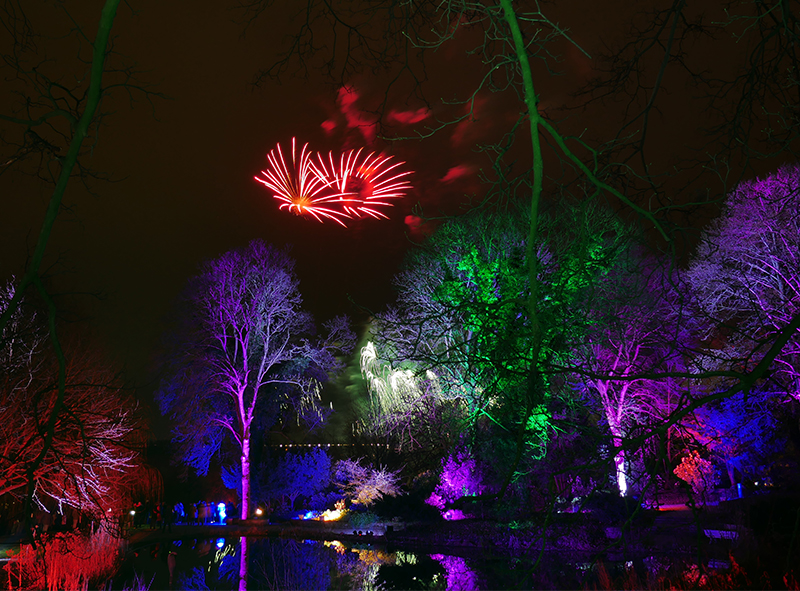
[
  {"x": 293, "y": 564},
  {"x": 412, "y": 572},
  {"x": 194, "y": 579},
  {"x": 459, "y": 574},
  {"x": 280, "y": 564},
  {"x": 358, "y": 567}
]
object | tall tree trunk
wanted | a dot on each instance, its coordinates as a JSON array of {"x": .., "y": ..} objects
[
  {"x": 535, "y": 394},
  {"x": 619, "y": 465},
  {"x": 245, "y": 476},
  {"x": 243, "y": 564}
]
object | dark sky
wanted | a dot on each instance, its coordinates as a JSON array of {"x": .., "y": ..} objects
[{"x": 182, "y": 167}]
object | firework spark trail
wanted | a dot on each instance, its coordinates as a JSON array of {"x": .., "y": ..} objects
[
  {"x": 300, "y": 190},
  {"x": 360, "y": 183},
  {"x": 354, "y": 186}
]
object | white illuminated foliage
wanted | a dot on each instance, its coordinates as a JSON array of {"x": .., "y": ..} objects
[
  {"x": 364, "y": 485},
  {"x": 394, "y": 390},
  {"x": 404, "y": 407}
]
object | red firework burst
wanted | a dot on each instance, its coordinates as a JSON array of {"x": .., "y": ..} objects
[
  {"x": 300, "y": 188},
  {"x": 355, "y": 186},
  {"x": 363, "y": 183}
]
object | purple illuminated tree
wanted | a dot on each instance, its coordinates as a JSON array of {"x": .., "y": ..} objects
[
  {"x": 460, "y": 477},
  {"x": 635, "y": 333},
  {"x": 246, "y": 352},
  {"x": 747, "y": 276}
]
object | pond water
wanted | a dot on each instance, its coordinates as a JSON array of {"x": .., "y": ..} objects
[{"x": 280, "y": 563}]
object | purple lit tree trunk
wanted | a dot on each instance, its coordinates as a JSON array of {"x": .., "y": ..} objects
[
  {"x": 620, "y": 407},
  {"x": 246, "y": 475},
  {"x": 614, "y": 405},
  {"x": 243, "y": 564},
  {"x": 245, "y": 354}
]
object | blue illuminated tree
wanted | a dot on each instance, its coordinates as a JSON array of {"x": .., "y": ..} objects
[
  {"x": 301, "y": 475},
  {"x": 244, "y": 351},
  {"x": 740, "y": 432}
]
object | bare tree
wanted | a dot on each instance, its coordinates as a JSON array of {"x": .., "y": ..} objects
[
  {"x": 54, "y": 122},
  {"x": 90, "y": 457},
  {"x": 746, "y": 275},
  {"x": 632, "y": 336},
  {"x": 246, "y": 351},
  {"x": 744, "y": 102}
]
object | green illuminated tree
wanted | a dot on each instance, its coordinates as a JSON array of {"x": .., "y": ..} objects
[{"x": 459, "y": 334}]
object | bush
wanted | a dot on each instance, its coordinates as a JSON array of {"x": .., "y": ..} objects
[
  {"x": 699, "y": 473},
  {"x": 365, "y": 485}
]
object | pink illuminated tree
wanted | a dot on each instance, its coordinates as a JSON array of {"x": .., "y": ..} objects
[
  {"x": 635, "y": 335},
  {"x": 245, "y": 355}
]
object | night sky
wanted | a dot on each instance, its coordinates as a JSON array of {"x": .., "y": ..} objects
[{"x": 182, "y": 167}]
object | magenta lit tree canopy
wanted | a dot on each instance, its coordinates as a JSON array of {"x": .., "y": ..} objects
[{"x": 355, "y": 184}]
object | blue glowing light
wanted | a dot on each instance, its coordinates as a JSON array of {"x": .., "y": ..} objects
[
  {"x": 221, "y": 509},
  {"x": 221, "y": 543}
]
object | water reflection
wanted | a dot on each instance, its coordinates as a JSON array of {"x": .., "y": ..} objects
[
  {"x": 459, "y": 574},
  {"x": 278, "y": 563},
  {"x": 271, "y": 563}
]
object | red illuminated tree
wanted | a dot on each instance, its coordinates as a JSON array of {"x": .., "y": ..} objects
[
  {"x": 245, "y": 355},
  {"x": 47, "y": 128},
  {"x": 81, "y": 449}
]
